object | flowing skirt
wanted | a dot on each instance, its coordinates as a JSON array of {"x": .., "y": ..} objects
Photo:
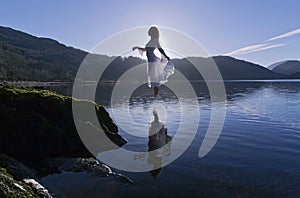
[{"x": 158, "y": 72}]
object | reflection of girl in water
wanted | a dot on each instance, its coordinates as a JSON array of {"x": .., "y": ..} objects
[
  {"x": 158, "y": 138},
  {"x": 156, "y": 69}
]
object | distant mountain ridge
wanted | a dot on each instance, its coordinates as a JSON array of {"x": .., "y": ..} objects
[
  {"x": 29, "y": 58},
  {"x": 272, "y": 66},
  {"x": 289, "y": 67}
]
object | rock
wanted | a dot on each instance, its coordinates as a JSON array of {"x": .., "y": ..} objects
[
  {"x": 16, "y": 168},
  {"x": 37, "y": 124},
  {"x": 122, "y": 178},
  {"x": 89, "y": 165},
  {"x": 17, "y": 180},
  {"x": 85, "y": 164},
  {"x": 20, "y": 187},
  {"x": 108, "y": 170},
  {"x": 40, "y": 190},
  {"x": 10, "y": 187}
]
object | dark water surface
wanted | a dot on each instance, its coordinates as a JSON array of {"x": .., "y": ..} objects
[{"x": 256, "y": 155}]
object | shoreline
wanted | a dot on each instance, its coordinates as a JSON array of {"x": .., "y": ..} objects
[{"x": 51, "y": 83}]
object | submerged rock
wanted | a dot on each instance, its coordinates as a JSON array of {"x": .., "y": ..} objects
[{"x": 89, "y": 165}]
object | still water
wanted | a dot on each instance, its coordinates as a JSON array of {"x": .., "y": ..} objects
[{"x": 256, "y": 155}]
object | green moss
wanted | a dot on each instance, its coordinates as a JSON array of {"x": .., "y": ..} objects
[
  {"x": 9, "y": 187},
  {"x": 3, "y": 170}
]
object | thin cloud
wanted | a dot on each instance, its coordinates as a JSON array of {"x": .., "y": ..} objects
[
  {"x": 264, "y": 45},
  {"x": 269, "y": 47},
  {"x": 253, "y": 48},
  {"x": 285, "y": 35},
  {"x": 246, "y": 50}
]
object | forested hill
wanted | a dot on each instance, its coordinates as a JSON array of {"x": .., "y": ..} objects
[{"x": 24, "y": 57}]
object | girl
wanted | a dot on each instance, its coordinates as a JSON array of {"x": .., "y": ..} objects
[{"x": 155, "y": 70}]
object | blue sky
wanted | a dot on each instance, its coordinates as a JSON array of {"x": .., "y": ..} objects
[{"x": 260, "y": 31}]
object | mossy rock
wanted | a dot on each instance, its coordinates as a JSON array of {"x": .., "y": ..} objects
[
  {"x": 17, "y": 180},
  {"x": 38, "y": 123},
  {"x": 9, "y": 187}
]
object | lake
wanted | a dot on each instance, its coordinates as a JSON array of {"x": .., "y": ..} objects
[{"x": 256, "y": 155}]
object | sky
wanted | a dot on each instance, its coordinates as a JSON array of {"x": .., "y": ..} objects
[{"x": 259, "y": 31}]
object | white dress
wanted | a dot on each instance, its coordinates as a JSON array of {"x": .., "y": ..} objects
[{"x": 158, "y": 70}]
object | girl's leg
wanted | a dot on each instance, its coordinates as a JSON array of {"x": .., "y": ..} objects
[{"x": 156, "y": 91}]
